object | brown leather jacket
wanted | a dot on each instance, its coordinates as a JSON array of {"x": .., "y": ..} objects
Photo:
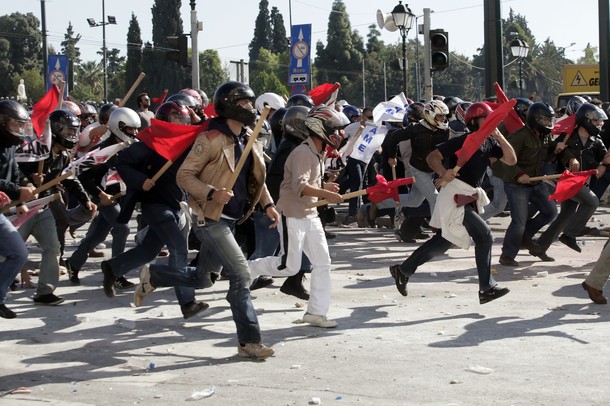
[{"x": 210, "y": 164}]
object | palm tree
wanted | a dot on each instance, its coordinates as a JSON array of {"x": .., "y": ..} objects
[{"x": 91, "y": 74}]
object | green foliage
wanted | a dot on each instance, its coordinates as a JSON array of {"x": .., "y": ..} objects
[
  {"x": 19, "y": 47},
  {"x": 590, "y": 57},
  {"x": 266, "y": 78},
  {"x": 279, "y": 39},
  {"x": 89, "y": 82},
  {"x": 116, "y": 74},
  {"x": 211, "y": 72},
  {"x": 340, "y": 60},
  {"x": 133, "y": 65},
  {"x": 34, "y": 84},
  {"x": 68, "y": 45},
  {"x": 262, "y": 33}
]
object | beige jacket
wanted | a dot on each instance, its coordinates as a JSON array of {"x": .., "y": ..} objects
[{"x": 210, "y": 164}]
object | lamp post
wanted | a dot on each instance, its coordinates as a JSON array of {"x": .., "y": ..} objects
[
  {"x": 519, "y": 49},
  {"x": 103, "y": 24},
  {"x": 403, "y": 19}
]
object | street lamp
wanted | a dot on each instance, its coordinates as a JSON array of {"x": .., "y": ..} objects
[
  {"x": 92, "y": 23},
  {"x": 403, "y": 19},
  {"x": 519, "y": 49}
]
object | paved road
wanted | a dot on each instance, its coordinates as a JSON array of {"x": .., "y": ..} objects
[{"x": 544, "y": 343}]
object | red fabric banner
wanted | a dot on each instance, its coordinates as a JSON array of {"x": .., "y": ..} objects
[
  {"x": 43, "y": 108},
  {"x": 569, "y": 184},
  {"x": 170, "y": 140},
  {"x": 512, "y": 121},
  {"x": 475, "y": 140},
  {"x": 566, "y": 126},
  {"x": 383, "y": 189},
  {"x": 325, "y": 93}
]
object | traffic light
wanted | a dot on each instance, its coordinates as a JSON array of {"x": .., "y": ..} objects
[
  {"x": 439, "y": 49},
  {"x": 178, "y": 51}
]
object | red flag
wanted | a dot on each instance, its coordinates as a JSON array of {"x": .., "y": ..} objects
[
  {"x": 383, "y": 189},
  {"x": 4, "y": 199},
  {"x": 43, "y": 108},
  {"x": 566, "y": 125},
  {"x": 475, "y": 140},
  {"x": 210, "y": 111},
  {"x": 170, "y": 140},
  {"x": 325, "y": 93},
  {"x": 160, "y": 100},
  {"x": 569, "y": 184},
  {"x": 512, "y": 121}
]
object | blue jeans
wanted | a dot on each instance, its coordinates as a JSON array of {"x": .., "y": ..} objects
[
  {"x": 15, "y": 254},
  {"x": 42, "y": 227},
  {"x": 498, "y": 204},
  {"x": 483, "y": 241},
  {"x": 521, "y": 227},
  {"x": 219, "y": 249},
  {"x": 100, "y": 227},
  {"x": 355, "y": 172},
  {"x": 164, "y": 230},
  {"x": 572, "y": 218},
  {"x": 423, "y": 188}
]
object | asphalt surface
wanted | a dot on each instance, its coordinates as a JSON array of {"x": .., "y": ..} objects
[{"x": 545, "y": 343}]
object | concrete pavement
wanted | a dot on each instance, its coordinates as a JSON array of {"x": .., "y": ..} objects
[{"x": 543, "y": 343}]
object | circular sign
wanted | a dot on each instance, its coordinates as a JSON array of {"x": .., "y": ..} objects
[
  {"x": 300, "y": 50},
  {"x": 56, "y": 77}
]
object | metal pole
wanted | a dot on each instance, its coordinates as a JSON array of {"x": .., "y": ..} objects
[
  {"x": 363, "y": 85},
  {"x": 427, "y": 63},
  {"x": 520, "y": 78},
  {"x": 104, "y": 49},
  {"x": 194, "y": 47},
  {"x": 405, "y": 71},
  {"x": 45, "y": 51},
  {"x": 417, "y": 84},
  {"x": 385, "y": 83}
]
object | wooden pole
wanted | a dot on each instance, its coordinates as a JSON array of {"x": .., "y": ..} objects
[
  {"x": 45, "y": 186},
  {"x": 132, "y": 89}
]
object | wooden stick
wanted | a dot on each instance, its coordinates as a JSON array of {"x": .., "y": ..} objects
[
  {"x": 132, "y": 89},
  {"x": 45, "y": 186},
  {"x": 545, "y": 177},
  {"x": 162, "y": 171},
  {"x": 60, "y": 98},
  {"x": 347, "y": 196},
  {"x": 242, "y": 159}
]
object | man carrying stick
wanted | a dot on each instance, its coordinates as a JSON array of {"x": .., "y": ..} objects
[{"x": 458, "y": 205}]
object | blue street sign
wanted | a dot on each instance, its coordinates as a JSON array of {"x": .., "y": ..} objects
[
  {"x": 57, "y": 71},
  {"x": 300, "y": 47}
]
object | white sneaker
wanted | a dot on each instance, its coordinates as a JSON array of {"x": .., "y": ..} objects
[
  {"x": 144, "y": 288},
  {"x": 319, "y": 321},
  {"x": 254, "y": 350}
]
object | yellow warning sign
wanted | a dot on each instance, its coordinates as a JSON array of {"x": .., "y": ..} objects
[{"x": 581, "y": 78}]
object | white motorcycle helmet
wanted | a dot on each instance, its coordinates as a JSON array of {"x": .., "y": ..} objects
[
  {"x": 272, "y": 100},
  {"x": 432, "y": 110},
  {"x": 124, "y": 123}
]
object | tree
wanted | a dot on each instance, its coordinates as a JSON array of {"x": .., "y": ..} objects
[
  {"x": 590, "y": 57},
  {"x": 279, "y": 39},
  {"x": 133, "y": 65},
  {"x": 116, "y": 74},
  {"x": 19, "y": 47},
  {"x": 341, "y": 58},
  {"x": 34, "y": 83},
  {"x": 266, "y": 80},
  {"x": 212, "y": 75},
  {"x": 262, "y": 33},
  {"x": 68, "y": 45},
  {"x": 89, "y": 81}
]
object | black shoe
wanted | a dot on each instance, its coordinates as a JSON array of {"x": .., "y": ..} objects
[
  {"x": 123, "y": 284},
  {"x": 14, "y": 286},
  {"x": 7, "y": 313},
  {"x": 109, "y": 279},
  {"x": 72, "y": 274},
  {"x": 329, "y": 236},
  {"x": 400, "y": 279},
  {"x": 422, "y": 236},
  {"x": 537, "y": 251},
  {"x": 193, "y": 308},
  {"x": 504, "y": 260},
  {"x": 96, "y": 254},
  {"x": 492, "y": 294},
  {"x": 570, "y": 242},
  {"x": 261, "y": 282},
  {"x": 293, "y": 286},
  {"x": 49, "y": 299}
]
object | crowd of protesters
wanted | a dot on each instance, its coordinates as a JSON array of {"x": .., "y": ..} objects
[{"x": 251, "y": 183}]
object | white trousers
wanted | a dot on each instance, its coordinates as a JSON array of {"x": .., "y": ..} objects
[{"x": 298, "y": 236}]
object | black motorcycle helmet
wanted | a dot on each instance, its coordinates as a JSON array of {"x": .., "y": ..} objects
[
  {"x": 276, "y": 121},
  {"x": 300, "y": 100},
  {"x": 522, "y": 106},
  {"x": 540, "y": 117},
  {"x": 14, "y": 120},
  {"x": 105, "y": 112},
  {"x": 226, "y": 98},
  {"x": 65, "y": 127},
  {"x": 294, "y": 122},
  {"x": 588, "y": 112},
  {"x": 185, "y": 100}
]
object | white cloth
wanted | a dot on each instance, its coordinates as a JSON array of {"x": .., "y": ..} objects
[
  {"x": 450, "y": 218},
  {"x": 369, "y": 141}
]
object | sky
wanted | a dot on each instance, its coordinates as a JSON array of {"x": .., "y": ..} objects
[{"x": 228, "y": 25}]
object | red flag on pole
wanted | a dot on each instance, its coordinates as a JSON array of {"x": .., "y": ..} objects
[
  {"x": 383, "y": 189},
  {"x": 566, "y": 125},
  {"x": 512, "y": 121},
  {"x": 325, "y": 93},
  {"x": 43, "y": 108},
  {"x": 170, "y": 140},
  {"x": 475, "y": 140},
  {"x": 569, "y": 184}
]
